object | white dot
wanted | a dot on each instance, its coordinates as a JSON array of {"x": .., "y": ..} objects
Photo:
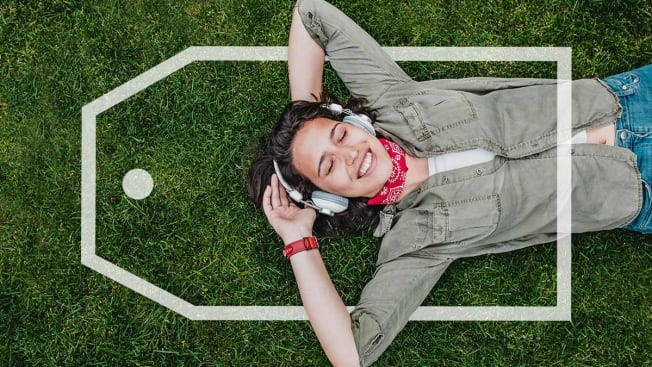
[{"x": 137, "y": 184}]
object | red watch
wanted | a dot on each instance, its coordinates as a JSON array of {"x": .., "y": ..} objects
[{"x": 306, "y": 243}]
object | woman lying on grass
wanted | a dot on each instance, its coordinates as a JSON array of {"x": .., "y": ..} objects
[{"x": 448, "y": 169}]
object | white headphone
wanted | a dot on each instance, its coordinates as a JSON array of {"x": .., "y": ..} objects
[{"x": 325, "y": 202}]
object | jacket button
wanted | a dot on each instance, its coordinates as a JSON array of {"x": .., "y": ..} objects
[
  {"x": 479, "y": 172},
  {"x": 444, "y": 179}
]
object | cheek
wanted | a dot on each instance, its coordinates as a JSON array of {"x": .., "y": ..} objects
[{"x": 336, "y": 184}]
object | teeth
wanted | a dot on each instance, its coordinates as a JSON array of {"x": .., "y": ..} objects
[{"x": 365, "y": 165}]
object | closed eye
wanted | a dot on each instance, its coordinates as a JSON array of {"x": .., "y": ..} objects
[
  {"x": 330, "y": 167},
  {"x": 342, "y": 136},
  {"x": 332, "y": 137}
]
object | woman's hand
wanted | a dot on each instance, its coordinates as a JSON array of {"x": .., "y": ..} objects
[
  {"x": 288, "y": 220},
  {"x": 326, "y": 311}
]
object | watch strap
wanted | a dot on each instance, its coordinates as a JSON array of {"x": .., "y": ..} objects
[{"x": 306, "y": 243}]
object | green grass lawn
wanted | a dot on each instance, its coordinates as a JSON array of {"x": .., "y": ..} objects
[{"x": 198, "y": 236}]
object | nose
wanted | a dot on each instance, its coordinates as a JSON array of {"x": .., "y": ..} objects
[{"x": 351, "y": 156}]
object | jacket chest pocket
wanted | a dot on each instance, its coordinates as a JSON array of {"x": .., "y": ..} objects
[
  {"x": 429, "y": 113},
  {"x": 464, "y": 221}
]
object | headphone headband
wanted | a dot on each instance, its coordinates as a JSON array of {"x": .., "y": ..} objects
[
  {"x": 294, "y": 194},
  {"x": 359, "y": 120}
]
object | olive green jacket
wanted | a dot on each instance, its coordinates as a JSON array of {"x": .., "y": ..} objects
[{"x": 502, "y": 205}]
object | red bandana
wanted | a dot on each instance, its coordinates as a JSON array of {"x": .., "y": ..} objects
[{"x": 394, "y": 186}]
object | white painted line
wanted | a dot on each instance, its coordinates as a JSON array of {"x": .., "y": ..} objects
[{"x": 560, "y": 55}]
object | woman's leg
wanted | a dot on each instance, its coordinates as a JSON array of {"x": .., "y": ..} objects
[{"x": 634, "y": 131}]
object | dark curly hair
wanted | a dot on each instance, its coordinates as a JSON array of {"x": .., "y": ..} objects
[{"x": 359, "y": 216}]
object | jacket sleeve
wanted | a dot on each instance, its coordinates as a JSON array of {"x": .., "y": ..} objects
[
  {"x": 358, "y": 59},
  {"x": 397, "y": 288}
]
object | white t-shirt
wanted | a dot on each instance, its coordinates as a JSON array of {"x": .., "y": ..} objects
[{"x": 453, "y": 160}]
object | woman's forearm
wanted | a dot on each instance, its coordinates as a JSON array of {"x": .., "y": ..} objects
[
  {"x": 305, "y": 62},
  {"x": 326, "y": 311}
]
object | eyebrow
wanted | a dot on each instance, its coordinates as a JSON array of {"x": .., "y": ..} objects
[{"x": 321, "y": 159}]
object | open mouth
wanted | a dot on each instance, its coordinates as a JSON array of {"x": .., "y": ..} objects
[{"x": 366, "y": 163}]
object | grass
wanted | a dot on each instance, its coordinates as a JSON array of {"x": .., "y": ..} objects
[{"x": 199, "y": 237}]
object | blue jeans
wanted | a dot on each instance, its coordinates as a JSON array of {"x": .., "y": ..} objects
[{"x": 634, "y": 132}]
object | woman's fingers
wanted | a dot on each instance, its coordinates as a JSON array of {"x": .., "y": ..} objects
[
  {"x": 276, "y": 200},
  {"x": 267, "y": 200},
  {"x": 279, "y": 198},
  {"x": 283, "y": 196},
  {"x": 271, "y": 198}
]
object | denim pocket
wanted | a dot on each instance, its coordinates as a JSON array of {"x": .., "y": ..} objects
[
  {"x": 624, "y": 84},
  {"x": 646, "y": 211},
  {"x": 643, "y": 223},
  {"x": 641, "y": 145}
]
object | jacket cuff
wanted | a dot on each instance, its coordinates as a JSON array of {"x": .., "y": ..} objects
[
  {"x": 310, "y": 11},
  {"x": 368, "y": 337}
]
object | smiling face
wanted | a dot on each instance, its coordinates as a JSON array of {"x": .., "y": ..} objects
[{"x": 340, "y": 158}]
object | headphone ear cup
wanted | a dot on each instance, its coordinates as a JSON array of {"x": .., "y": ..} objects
[
  {"x": 361, "y": 121},
  {"x": 332, "y": 202}
]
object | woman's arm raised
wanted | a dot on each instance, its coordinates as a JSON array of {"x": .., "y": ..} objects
[
  {"x": 305, "y": 62},
  {"x": 326, "y": 311},
  {"x": 318, "y": 28}
]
